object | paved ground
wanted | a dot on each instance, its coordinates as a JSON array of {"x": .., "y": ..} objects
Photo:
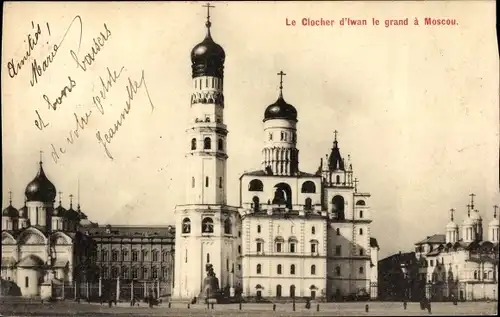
[{"x": 261, "y": 310}]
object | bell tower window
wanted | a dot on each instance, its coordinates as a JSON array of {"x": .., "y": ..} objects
[
  {"x": 193, "y": 144},
  {"x": 207, "y": 144},
  {"x": 220, "y": 145}
]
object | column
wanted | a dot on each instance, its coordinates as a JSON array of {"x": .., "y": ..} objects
[
  {"x": 145, "y": 290},
  {"x": 131, "y": 290},
  {"x": 63, "y": 282},
  {"x": 74, "y": 282},
  {"x": 100, "y": 286},
  {"x": 157, "y": 288},
  {"x": 117, "y": 289},
  {"x": 88, "y": 293}
]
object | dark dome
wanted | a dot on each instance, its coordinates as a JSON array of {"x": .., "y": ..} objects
[
  {"x": 207, "y": 58},
  {"x": 10, "y": 211},
  {"x": 40, "y": 188},
  {"x": 59, "y": 211},
  {"x": 280, "y": 110},
  {"x": 72, "y": 214},
  {"x": 23, "y": 212}
]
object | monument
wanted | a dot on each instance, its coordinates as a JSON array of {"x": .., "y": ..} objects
[{"x": 210, "y": 292}]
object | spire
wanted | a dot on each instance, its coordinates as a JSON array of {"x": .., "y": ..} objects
[
  {"x": 451, "y": 213},
  {"x": 281, "y": 74},
  {"x": 208, "y": 24},
  {"x": 336, "y": 162},
  {"x": 495, "y": 211},
  {"x": 60, "y": 197},
  {"x": 71, "y": 201},
  {"x": 10, "y": 198}
]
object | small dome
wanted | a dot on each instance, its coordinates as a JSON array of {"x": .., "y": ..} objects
[
  {"x": 40, "y": 188},
  {"x": 59, "y": 211},
  {"x": 494, "y": 223},
  {"x": 72, "y": 214},
  {"x": 23, "y": 212},
  {"x": 280, "y": 110},
  {"x": 451, "y": 225},
  {"x": 468, "y": 222},
  {"x": 10, "y": 211},
  {"x": 207, "y": 57}
]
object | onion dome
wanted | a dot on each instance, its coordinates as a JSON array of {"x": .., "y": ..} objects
[
  {"x": 41, "y": 188},
  {"x": 59, "y": 211},
  {"x": 71, "y": 214},
  {"x": 10, "y": 211},
  {"x": 494, "y": 222},
  {"x": 280, "y": 110},
  {"x": 23, "y": 212},
  {"x": 451, "y": 224},
  {"x": 208, "y": 57}
]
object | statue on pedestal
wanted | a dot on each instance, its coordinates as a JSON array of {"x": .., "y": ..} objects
[{"x": 210, "y": 291}]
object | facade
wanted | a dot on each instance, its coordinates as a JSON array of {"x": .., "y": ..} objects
[
  {"x": 42, "y": 244},
  {"x": 461, "y": 263}
]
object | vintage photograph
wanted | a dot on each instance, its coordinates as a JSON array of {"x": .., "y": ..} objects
[{"x": 250, "y": 158}]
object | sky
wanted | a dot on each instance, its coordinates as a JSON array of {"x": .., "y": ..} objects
[{"x": 416, "y": 107}]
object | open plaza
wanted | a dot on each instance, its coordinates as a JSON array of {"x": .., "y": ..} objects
[{"x": 71, "y": 308}]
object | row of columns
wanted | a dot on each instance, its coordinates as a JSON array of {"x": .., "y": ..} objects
[{"x": 157, "y": 282}]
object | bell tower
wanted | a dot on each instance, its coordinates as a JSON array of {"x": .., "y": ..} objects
[{"x": 206, "y": 227}]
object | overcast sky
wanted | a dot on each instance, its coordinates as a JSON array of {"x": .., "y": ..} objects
[{"x": 415, "y": 106}]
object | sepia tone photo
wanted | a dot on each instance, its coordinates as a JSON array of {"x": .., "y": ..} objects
[{"x": 250, "y": 158}]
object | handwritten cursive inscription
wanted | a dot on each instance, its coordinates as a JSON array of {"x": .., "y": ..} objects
[
  {"x": 64, "y": 93},
  {"x": 38, "y": 70},
  {"x": 132, "y": 89},
  {"x": 15, "y": 67},
  {"x": 112, "y": 78},
  {"x": 90, "y": 57}
]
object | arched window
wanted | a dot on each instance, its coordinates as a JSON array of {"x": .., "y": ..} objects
[
  {"x": 258, "y": 228},
  {"x": 125, "y": 272},
  {"x": 338, "y": 179},
  {"x": 26, "y": 282},
  {"x": 337, "y": 271},
  {"x": 154, "y": 273},
  {"x": 256, "y": 203},
  {"x": 338, "y": 205},
  {"x": 124, "y": 255},
  {"x": 292, "y": 269},
  {"x": 361, "y": 270},
  {"x": 220, "y": 145},
  {"x": 475, "y": 275},
  {"x": 239, "y": 249},
  {"x": 259, "y": 269},
  {"x": 278, "y": 269},
  {"x": 278, "y": 290},
  {"x": 227, "y": 226},
  {"x": 114, "y": 255},
  {"x": 135, "y": 255},
  {"x": 220, "y": 182},
  {"x": 207, "y": 143},
  {"x": 361, "y": 214},
  {"x": 308, "y": 187},
  {"x": 164, "y": 256},
  {"x": 255, "y": 185},
  {"x": 145, "y": 272},
  {"x": 135, "y": 273},
  {"x": 292, "y": 291},
  {"x": 361, "y": 251},
  {"x": 208, "y": 257},
  {"x": 338, "y": 231},
  {"x": 313, "y": 230},
  {"x": 360, "y": 231},
  {"x": 292, "y": 244},
  {"x": 186, "y": 225},
  {"x": 308, "y": 204},
  {"x": 155, "y": 255},
  {"x": 360, "y": 203},
  {"x": 193, "y": 144},
  {"x": 313, "y": 269},
  {"x": 206, "y": 181},
  {"x": 207, "y": 225},
  {"x": 144, "y": 255}
]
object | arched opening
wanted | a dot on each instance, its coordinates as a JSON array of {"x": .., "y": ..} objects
[
  {"x": 360, "y": 214},
  {"x": 360, "y": 231},
  {"x": 227, "y": 226},
  {"x": 338, "y": 204},
  {"x": 308, "y": 204},
  {"x": 259, "y": 269},
  {"x": 278, "y": 269},
  {"x": 255, "y": 185},
  {"x": 292, "y": 269},
  {"x": 337, "y": 270},
  {"x": 338, "y": 231},
  {"x": 220, "y": 145},
  {"x": 283, "y": 195},
  {"x": 193, "y": 144},
  {"x": 207, "y": 143},
  {"x": 186, "y": 225},
  {"x": 337, "y": 179},
  {"x": 313, "y": 269},
  {"x": 258, "y": 228},
  {"x": 360, "y": 203},
  {"x": 278, "y": 290},
  {"x": 292, "y": 291},
  {"x": 313, "y": 230},
  {"x": 308, "y": 187},
  {"x": 207, "y": 225},
  {"x": 361, "y": 270},
  {"x": 208, "y": 257},
  {"x": 256, "y": 203}
]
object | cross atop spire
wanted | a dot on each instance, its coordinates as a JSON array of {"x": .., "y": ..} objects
[
  {"x": 60, "y": 196},
  {"x": 472, "y": 200},
  {"x": 468, "y": 210},
  {"x": 208, "y": 23},
  {"x": 71, "y": 201},
  {"x": 495, "y": 211},
  {"x": 281, "y": 74},
  {"x": 41, "y": 157},
  {"x": 451, "y": 212},
  {"x": 10, "y": 197},
  {"x": 335, "y": 135}
]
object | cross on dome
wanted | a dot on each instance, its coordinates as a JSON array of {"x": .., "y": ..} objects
[
  {"x": 495, "y": 211},
  {"x": 281, "y": 74},
  {"x": 208, "y": 6},
  {"x": 452, "y": 210},
  {"x": 472, "y": 200}
]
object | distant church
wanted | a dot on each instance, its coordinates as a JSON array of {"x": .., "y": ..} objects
[{"x": 295, "y": 234}]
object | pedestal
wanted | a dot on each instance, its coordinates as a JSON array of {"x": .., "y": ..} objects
[{"x": 46, "y": 290}]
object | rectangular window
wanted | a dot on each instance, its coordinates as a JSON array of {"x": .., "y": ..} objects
[
  {"x": 220, "y": 182},
  {"x": 259, "y": 247},
  {"x": 278, "y": 247},
  {"x": 26, "y": 282},
  {"x": 313, "y": 247},
  {"x": 292, "y": 247},
  {"x": 206, "y": 181},
  {"x": 337, "y": 250},
  {"x": 431, "y": 263}
]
